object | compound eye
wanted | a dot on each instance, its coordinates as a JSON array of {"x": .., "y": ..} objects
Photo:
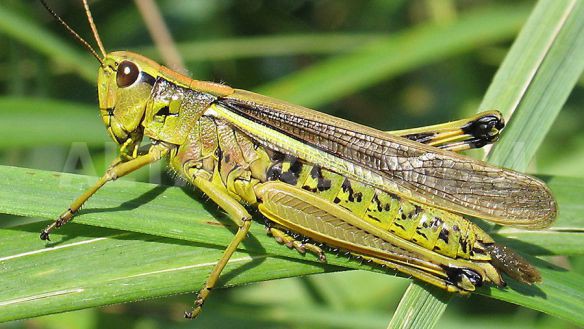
[{"x": 127, "y": 74}]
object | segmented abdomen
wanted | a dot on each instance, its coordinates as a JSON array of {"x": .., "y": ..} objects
[{"x": 443, "y": 232}]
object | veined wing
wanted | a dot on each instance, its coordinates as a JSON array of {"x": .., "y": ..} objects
[{"x": 419, "y": 172}]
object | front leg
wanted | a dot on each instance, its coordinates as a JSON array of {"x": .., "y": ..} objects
[
  {"x": 118, "y": 169},
  {"x": 240, "y": 216}
]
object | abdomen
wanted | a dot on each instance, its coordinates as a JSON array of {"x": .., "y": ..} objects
[{"x": 443, "y": 232}]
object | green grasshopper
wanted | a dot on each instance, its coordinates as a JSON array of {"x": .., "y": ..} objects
[{"x": 394, "y": 199}]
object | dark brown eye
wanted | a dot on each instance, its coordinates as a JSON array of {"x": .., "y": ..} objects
[{"x": 127, "y": 74}]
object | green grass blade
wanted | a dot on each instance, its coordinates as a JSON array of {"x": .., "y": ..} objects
[
  {"x": 561, "y": 293},
  {"x": 30, "y": 33},
  {"x": 165, "y": 220},
  {"x": 43, "y": 280},
  {"x": 39, "y": 122},
  {"x": 535, "y": 79},
  {"x": 420, "y": 307},
  {"x": 380, "y": 60},
  {"x": 268, "y": 46}
]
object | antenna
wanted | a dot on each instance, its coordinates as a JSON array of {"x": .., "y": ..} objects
[
  {"x": 93, "y": 28},
  {"x": 73, "y": 33}
]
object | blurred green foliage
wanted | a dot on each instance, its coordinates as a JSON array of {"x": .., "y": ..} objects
[{"x": 48, "y": 101}]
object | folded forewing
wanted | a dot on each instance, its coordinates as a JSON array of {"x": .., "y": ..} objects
[{"x": 419, "y": 172}]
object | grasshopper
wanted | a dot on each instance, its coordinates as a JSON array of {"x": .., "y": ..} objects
[{"x": 394, "y": 199}]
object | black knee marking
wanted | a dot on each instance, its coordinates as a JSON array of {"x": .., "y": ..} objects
[{"x": 45, "y": 235}]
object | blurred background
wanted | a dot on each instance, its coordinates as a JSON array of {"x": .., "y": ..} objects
[{"x": 403, "y": 63}]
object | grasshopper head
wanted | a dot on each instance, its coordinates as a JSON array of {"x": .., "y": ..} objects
[{"x": 125, "y": 81}]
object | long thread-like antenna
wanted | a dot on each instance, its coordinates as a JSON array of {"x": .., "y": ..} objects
[
  {"x": 93, "y": 28},
  {"x": 73, "y": 33}
]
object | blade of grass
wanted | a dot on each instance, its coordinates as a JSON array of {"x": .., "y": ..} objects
[
  {"x": 156, "y": 210},
  {"x": 542, "y": 68},
  {"x": 427, "y": 43},
  {"x": 266, "y": 46},
  {"x": 39, "y": 122},
  {"x": 560, "y": 294},
  {"x": 32, "y": 34},
  {"x": 44, "y": 280},
  {"x": 536, "y": 78},
  {"x": 420, "y": 299}
]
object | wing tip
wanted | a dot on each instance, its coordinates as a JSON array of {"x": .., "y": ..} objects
[
  {"x": 535, "y": 206},
  {"x": 548, "y": 210}
]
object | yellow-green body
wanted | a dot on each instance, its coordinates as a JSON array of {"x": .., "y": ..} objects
[{"x": 212, "y": 134}]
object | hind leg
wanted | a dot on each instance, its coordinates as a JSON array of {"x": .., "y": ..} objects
[{"x": 290, "y": 242}]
